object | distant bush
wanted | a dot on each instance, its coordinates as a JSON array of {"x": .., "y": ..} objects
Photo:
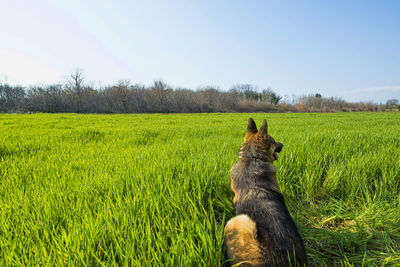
[{"x": 160, "y": 97}]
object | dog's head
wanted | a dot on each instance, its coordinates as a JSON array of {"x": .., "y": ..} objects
[{"x": 257, "y": 143}]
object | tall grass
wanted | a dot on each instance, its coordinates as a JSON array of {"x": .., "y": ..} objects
[{"x": 154, "y": 189}]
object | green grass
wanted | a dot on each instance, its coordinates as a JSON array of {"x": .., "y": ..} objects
[{"x": 154, "y": 189}]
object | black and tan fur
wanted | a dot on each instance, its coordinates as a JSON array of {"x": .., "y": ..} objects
[{"x": 262, "y": 233}]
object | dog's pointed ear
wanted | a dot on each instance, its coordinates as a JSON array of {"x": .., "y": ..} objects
[
  {"x": 264, "y": 129},
  {"x": 251, "y": 126}
]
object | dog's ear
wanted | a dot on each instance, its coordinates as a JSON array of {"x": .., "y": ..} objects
[
  {"x": 264, "y": 130},
  {"x": 251, "y": 126}
]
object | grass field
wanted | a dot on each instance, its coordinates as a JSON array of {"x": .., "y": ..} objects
[{"x": 154, "y": 189}]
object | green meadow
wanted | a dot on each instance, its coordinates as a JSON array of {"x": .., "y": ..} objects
[{"x": 154, "y": 190}]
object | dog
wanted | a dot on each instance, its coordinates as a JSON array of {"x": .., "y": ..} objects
[{"x": 263, "y": 233}]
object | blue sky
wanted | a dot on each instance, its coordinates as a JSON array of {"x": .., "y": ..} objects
[{"x": 347, "y": 49}]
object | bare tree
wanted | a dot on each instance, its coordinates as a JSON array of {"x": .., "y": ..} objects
[
  {"x": 270, "y": 96},
  {"x": 12, "y": 98},
  {"x": 249, "y": 91},
  {"x": 123, "y": 94},
  {"x": 75, "y": 85},
  {"x": 160, "y": 92},
  {"x": 209, "y": 97}
]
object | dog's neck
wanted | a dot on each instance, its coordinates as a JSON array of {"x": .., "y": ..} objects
[{"x": 252, "y": 151}]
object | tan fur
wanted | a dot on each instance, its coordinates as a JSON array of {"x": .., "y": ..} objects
[
  {"x": 235, "y": 198},
  {"x": 241, "y": 241}
]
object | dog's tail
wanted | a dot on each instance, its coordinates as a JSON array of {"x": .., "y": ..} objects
[{"x": 241, "y": 242}]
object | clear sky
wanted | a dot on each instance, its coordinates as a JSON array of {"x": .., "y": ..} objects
[{"x": 348, "y": 49}]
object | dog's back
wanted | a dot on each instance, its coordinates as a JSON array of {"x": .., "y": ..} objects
[{"x": 263, "y": 232}]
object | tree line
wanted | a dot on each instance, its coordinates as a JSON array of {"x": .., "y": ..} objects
[{"x": 123, "y": 97}]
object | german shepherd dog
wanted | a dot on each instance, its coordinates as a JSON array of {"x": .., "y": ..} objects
[{"x": 262, "y": 233}]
